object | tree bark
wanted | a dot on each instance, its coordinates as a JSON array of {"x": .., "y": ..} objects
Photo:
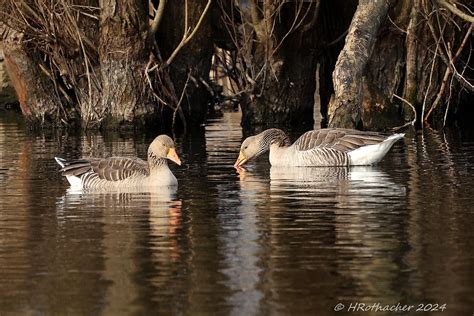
[
  {"x": 123, "y": 55},
  {"x": 345, "y": 109},
  {"x": 385, "y": 72},
  {"x": 281, "y": 62},
  {"x": 286, "y": 94},
  {"x": 317, "y": 102},
  {"x": 411, "y": 57},
  {"x": 30, "y": 83}
]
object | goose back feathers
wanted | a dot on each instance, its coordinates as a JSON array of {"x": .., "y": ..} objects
[{"x": 338, "y": 139}]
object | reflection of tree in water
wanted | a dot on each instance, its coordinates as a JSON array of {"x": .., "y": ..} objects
[
  {"x": 240, "y": 240},
  {"x": 439, "y": 200}
]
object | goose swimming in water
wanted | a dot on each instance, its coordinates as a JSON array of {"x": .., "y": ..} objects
[
  {"x": 325, "y": 147},
  {"x": 123, "y": 172}
]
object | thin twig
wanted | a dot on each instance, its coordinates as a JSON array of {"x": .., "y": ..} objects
[
  {"x": 187, "y": 37},
  {"x": 448, "y": 72},
  {"x": 414, "y": 112},
  {"x": 151, "y": 85},
  {"x": 178, "y": 106}
]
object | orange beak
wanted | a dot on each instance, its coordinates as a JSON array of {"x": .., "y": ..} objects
[
  {"x": 240, "y": 161},
  {"x": 173, "y": 156}
]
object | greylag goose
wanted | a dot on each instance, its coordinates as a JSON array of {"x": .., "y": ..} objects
[
  {"x": 122, "y": 172},
  {"x": 325, "y": 147}
]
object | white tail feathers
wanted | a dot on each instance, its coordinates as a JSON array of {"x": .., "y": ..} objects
[
  {"x": 371, "y": 154},
  {"x": 60, "y": 161}
]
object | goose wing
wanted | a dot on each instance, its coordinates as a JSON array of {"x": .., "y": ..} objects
[
  {"x": 339, "y": 139},
  {"x": 110, "y": 169}
]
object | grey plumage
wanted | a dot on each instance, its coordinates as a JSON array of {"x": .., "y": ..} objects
[
  {"x": 124, "y": 172},
  {"x": 325, "y": 147},
  {"x": 110, "y": 169},
  {"x": 338, "y": 139}
]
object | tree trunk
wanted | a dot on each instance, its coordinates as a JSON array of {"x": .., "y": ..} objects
[
  {"x": 95, "y": 54},
  {"x": 411, "y": 86},
  {"x": 317, "y": 102},
  {"x": 385, "y": 71},
  {"x": 280, "y": 91},
  {"x": 277, "y": 47},
  {"x": 30, "y": 82},
  {"x": 85, "y": 60},
  {"x": 345, "y": 109},
  {"x": 286, "y": 95},
  {"x": 193, "y": 62},
  {"x": 123, "y": 55}
]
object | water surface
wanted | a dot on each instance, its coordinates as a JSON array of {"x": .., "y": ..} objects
[{"x": 265, "y": 241}]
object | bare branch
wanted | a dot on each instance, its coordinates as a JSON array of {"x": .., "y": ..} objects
[
  {"x": 187, "y": 37},
  {"x": 254, "y": 13},
  {"x": 448, "y": 72},
  {"x": 308, "y": 26},
  {"x": 459, "y": 13},
  {"x": 178, "y": 105},
  {"x": 157, "y": 19},
  {"x": 317, "y": 101}
]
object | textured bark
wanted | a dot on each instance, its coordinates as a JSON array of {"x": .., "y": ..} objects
[
  {"x": 7, "y": 92},
  {"x": 95, "y": 67},
  {"x": 317, "y": 102},
  {"x": 123, "y": 57},
  {"x": 384, "y": 73},
  {"x": 30, "y": 82},
  {"x": 71, "y": 66},
  {"x": 345, "y": 109},
  {"x": 281, "y": 95},
  {"x": 194, "y": 59},
  {"x": 411, "y": 55},
  {"x": 285, "y": 93}
]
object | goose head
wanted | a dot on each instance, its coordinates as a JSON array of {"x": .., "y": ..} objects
[
  {"x": 163, "y": 148},
  {"x": 251, "y": 148},
  {"x": 254, "y": 146}
]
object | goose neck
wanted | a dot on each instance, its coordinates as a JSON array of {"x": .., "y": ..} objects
[
  {"x": 156, "y": 163},
  {"x": 274, "y": 137}
]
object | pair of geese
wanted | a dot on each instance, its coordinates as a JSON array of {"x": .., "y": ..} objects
[{"x": 318, "y": 148}]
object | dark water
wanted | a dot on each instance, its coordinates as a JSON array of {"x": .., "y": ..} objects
[{"x": 268, "y": 241}]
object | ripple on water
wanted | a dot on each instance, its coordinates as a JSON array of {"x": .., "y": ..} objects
[{"x": 264, "y": 241}]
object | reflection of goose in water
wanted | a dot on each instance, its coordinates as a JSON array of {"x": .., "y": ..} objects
[
  {"x": 160, "y": 204},
  {"x": 351, "y": 187},
  {"x": 348, "y": 187},
  {"x": 138, "y": 244},
  {"x": 307, "y": 175}
]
